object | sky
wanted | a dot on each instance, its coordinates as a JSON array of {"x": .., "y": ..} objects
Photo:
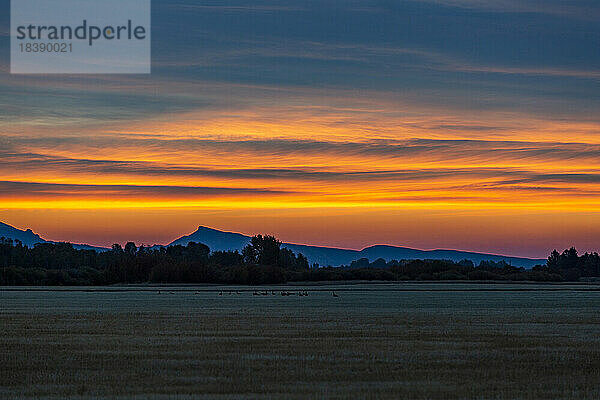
[{"x": 463, "y": 124}]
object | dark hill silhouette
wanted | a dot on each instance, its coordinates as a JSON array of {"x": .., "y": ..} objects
[
  {"x": 215, "y": 239},
  {"x": 29, "y": 239},
  {"x": 324, "y": 256},
  {"x": 219, "y": 240}
]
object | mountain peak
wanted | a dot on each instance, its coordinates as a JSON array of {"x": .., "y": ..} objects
[
  {"x": 27, "y": 237},
  {"x": 206, "y": 229},
  {"x": 214, "y": 238}
]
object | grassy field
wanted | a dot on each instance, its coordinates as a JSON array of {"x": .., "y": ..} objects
[{"x": 419, "y": 341}]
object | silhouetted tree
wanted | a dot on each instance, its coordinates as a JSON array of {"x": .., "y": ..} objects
[
  {"x": 262, "y": 250},
  {"x": 553, "y": 260},
  {"x": 130, "y": 248}
]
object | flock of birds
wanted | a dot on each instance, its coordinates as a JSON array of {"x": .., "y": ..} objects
[{"x": 301, "y": 293}]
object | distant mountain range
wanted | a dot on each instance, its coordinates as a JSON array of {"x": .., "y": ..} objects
[
  {"x": 219, "y": 240},
  {"x": 29, "y": 239},
  {"x": 324, "y": 256}
]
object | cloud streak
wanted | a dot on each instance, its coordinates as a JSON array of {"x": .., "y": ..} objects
[{"x": 43, "y": 191}]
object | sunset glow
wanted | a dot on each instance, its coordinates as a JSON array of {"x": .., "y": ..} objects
[{"x": 502, "y": 161}]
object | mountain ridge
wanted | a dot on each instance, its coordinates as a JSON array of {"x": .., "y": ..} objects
[
  {"x": 30, "y": 239},
  {"x": 218, "y": 240},
  {"x": 27, "y": 237}
]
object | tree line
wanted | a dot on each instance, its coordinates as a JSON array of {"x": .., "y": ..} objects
[{"x": 262, "y": 261}]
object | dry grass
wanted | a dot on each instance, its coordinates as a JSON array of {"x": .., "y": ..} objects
[{"x": 366, "y": 344}]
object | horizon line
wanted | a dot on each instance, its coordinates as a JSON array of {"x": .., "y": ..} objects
[{"x": 491, "y": 253}]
